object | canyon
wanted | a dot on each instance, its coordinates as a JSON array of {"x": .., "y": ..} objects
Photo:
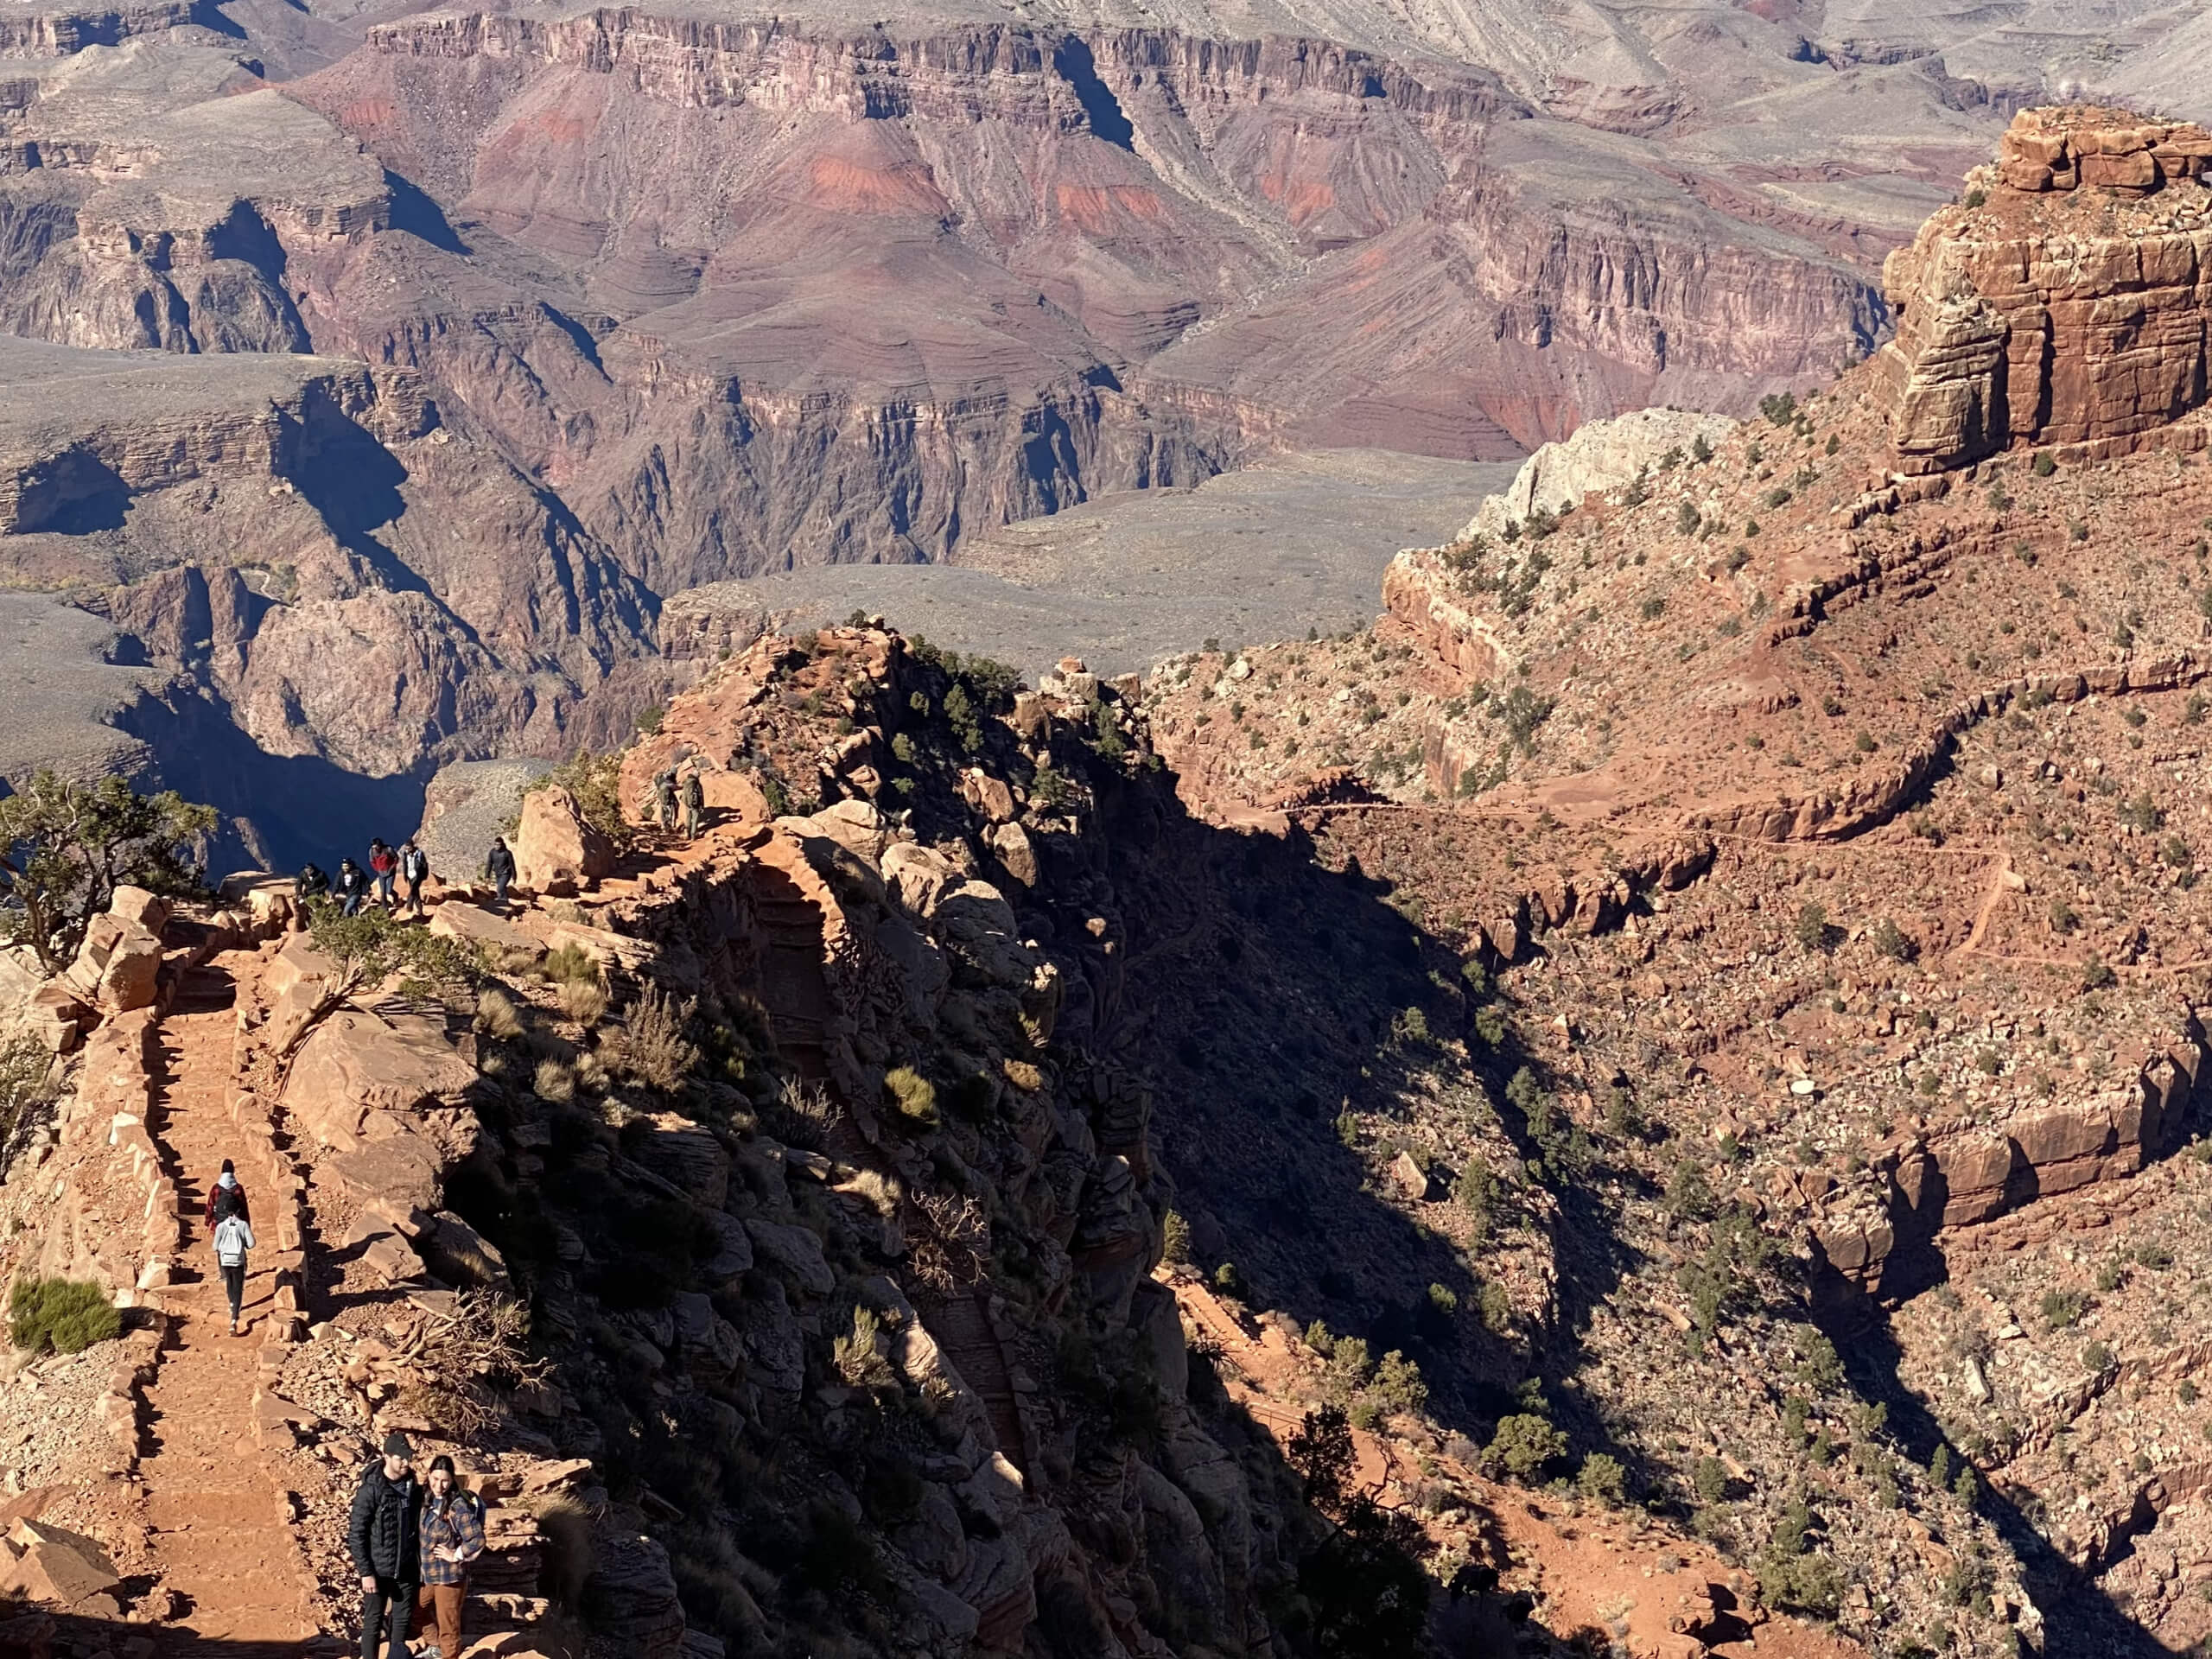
[{"x": 629, "y": 302}]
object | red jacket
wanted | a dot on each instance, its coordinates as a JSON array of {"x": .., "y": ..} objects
[
  {"x": 238, "y": 1192},
  {"x": 386, "y": 862}
]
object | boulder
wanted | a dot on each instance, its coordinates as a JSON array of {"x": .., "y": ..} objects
[
  {"x": 356, "y": 1069},
  {"x": 118, "y": 967},
  {"x": 149, "y": 910},
  {"x": 1011, "y": 842},
  {"x": 680, "y": 1151},
  {"x": 472, "y": 925},
  {"x": 297, "y": 983},
  {"x": 59, "y": 1568},
  {"x": 556, "y": 851},
  {"x": 57, "y": 1017},
  {"x": 633, "y": 1595},
  {"x": 1413, "y": 1179}
]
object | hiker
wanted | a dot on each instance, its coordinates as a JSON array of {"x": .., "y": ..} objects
[
  {"x": 695, "y": 803},
  {"x": 664, "y": 799},
  {"x": 499, "y": 868},
  {"x": 414, "y": 871},
  {"x": 383, "y": 1536},
  {"x": 233, "y": 1238},
  {"x": 310, "y": 883},
  {"x": 352, "y": 887},
  {"x": 226, "y": 1198},
  {"x": 383, "y": 865},
  {"x": 453, "y": 1536}
]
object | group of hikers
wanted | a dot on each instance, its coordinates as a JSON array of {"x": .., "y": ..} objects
[
  {"x": 411, "y": 1540},
  {"x": 395, "y": 879}
]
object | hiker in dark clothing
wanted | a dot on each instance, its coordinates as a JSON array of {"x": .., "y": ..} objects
[
  {"x": 310, "y": 883},
  {"x": 384, "y": 1539},
  {"x": 383, "y": 865},
  {"x": 695, "y": 804},
  {"x": 664, "y": 799},
  {"x": 351, "y": 887},
  {"x": 414, "y": 871},
  {"x": 499, "y": 866},
  {"x": 226, "y": 1197}
]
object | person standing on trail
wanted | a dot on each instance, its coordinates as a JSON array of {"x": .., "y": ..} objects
[
  {"x": 695, "y": 804},
  {"x": 414, "y": 871},
  {"x": 233, "y": 1238},
  {"x": 226, "y": 1198},
  {"x": 499, "y": 869},
  {"x": 453, "y": 1536},
  {"x": 664, "y": 798},
  {"x": 384, "y": 1538},
  {"x": 351, "y": 887},
  {"x": 383, "y": 865},
  {"x": 310, "y": 883}
]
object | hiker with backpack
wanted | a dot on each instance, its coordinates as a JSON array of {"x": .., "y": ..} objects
[
  {"x": 226, "y": 1198},
  {"x": 452, "y": 1537},
  {"x": 383, "y": 866},
  {"x": 233, "y": 1238},
  {"x": 384, "y": 1534},
  {"x": 664, "y": 798},
  {"x": 414, "y": 871},
  {"x": 695, "y": 804}
]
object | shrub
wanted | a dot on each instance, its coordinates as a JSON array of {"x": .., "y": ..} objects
[
  {"x": 2096, "y": 975},
  {"x": 2096, "y": 1358},
  {"x": 858, "y": 1355},
  {"x": 1603, "y": 1478},
  {"x": 1686, "y": 519},
  {"x": 1497, "y": 1308},
  {"x": 2063, "y": 1307},
  {"x": 1653, "y": 607},
  {"x": 26, "y": 1070},
  {"x": 1700, "y": 451},
  {"x": 496, "y": 1015},
  {"x": 67, "y": 1315},
  {"x": 583, "y": 1000},
  {"x": 2046, "y": 465},
  {"x": 1525, "y": 1446},
  {"x": 1175, "y": 1240},
  {"x": 1889, "y": 941},
  {"x": 1398, "y": 1383},
  {"x": 1711, "y": 1476},
  {"x": 915, "y": 1096},
  {"x": 1812, "y": 926},
  {"x": 554, "y": 1082},
  {"x": 1226, "y": 1282},
  {"x": 1779, "y": 407},
  {"x": 652, "y": 1046},
  {"x": 1444, "y": 1300}
]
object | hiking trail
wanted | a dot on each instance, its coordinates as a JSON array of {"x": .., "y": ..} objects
[{"x": 218, "y": 1523}]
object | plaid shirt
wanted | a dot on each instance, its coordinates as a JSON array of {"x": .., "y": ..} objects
[{"x": 456, "y": 1523}]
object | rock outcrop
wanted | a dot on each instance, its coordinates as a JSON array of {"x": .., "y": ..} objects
[
  {"x": 555, "y": 851},
  {"x": 1598, "y": 456},
  {"x": 2066, "y": 301}
]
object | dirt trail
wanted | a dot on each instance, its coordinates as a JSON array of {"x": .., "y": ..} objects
[{"x": 218, "y": 1523}]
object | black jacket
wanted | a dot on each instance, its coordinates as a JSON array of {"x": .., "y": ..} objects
[
  {"x": 352, "y": 881},
  {"x": 310, "y": 881},
  {"x": 384, "y": 1537},
  {"x": 500, "y": 861}
]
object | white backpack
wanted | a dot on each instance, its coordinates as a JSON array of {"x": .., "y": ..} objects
[{"x": 233, "y": 1238}]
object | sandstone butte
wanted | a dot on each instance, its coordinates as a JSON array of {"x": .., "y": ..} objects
[
  {"x": 1690, "y": 1030},
  {"x": 2062, "y": 300}
]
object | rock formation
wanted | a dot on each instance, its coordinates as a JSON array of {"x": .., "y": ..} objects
[
  {"x": 1599, "y": 455},
  {"x": 2066, "y": 301}
]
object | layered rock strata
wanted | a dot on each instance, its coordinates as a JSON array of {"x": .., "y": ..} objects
[{"x": 2065, "y": 300}]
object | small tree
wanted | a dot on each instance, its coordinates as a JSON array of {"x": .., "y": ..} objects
[
  {"x": 368, "y": 948},
  {"x": 64, "y": 848},
  {"x": 594, "y": 783}
]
